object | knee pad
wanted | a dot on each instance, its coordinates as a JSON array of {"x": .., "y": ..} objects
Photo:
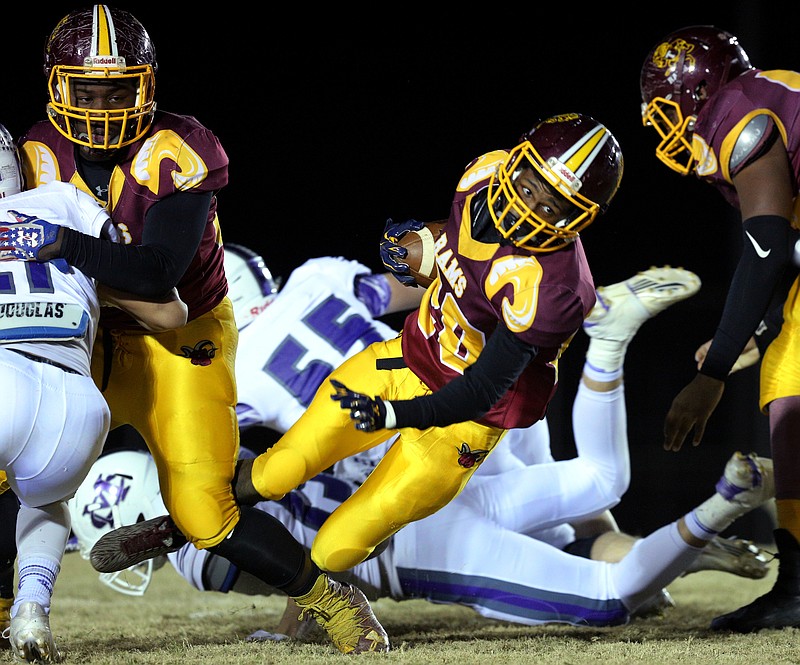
[{"x": 278, "y": 472}]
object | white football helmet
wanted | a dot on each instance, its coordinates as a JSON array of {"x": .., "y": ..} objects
[
  {"x": 10, "y": 174},
  {"x": 120, "y": 489},
  {"x": 251, "y": 287}
]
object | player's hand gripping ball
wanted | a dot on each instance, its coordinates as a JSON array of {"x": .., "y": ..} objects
[{"x": 420, "y": 254}]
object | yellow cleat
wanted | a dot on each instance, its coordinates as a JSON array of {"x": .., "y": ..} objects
[{"x": 345, "y": 613}]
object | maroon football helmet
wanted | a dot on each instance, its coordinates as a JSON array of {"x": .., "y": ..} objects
[
  {"x": 100, "y": 45},
  {"x": 678, "y": 76},
  {"x": 578, "y": 158}
]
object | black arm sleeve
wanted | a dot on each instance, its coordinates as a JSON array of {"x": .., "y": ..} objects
[
  {"x": 172, "y": 232},
  {"x": 766, "y": 256},
  {"x": 471, "y": 395}
]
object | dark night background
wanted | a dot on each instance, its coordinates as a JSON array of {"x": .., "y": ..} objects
[{"x": 333, "y": 123}]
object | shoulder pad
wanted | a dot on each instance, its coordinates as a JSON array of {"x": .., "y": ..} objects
[{"x": 750, "y": 141}]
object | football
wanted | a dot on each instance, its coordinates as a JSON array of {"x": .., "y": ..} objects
[{"x": 421, "y": 258}]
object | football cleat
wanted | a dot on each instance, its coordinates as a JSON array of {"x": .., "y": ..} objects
[
  {"x": 345, "y": 614},
  {"x": 748, "y": 481},
  {"x": 623, "y": 307},
  {"x": 732, "y": 555},
  {"x": 779, "y": 607},
  {"x": 5, "y": 621},
  {"x": 129, "y": 545},
  {"x": 654, "y": 606},
  {"x": 30, "y": 636}
]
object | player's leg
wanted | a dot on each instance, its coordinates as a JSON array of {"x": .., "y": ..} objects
[
  {"x": 193, "y": 436},
  {"x": 599, "y": 417},
  {"x": 421, "y": 473},
  {"x": 61, "y": 421},
  {"x": 658, "y": 559},
  {"x": 42, "y": 535},
  {"x": 325, "y": 434},
  {"x": 780, "y": 397},
  {"x": 543, "y": 496},
  {"x": 458, "y": 556}
]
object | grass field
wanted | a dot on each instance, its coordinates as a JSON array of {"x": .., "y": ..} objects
[{"x": 173, "y": 623}]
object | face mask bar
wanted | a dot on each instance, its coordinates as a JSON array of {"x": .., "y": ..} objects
[
  {"x": 522, "y": 226},
  {"x": 674, "y": 150},
  {"x": 117, "y": 127}
]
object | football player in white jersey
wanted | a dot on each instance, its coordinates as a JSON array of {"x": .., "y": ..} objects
[
  {"x": 57, "y": 419},
  {"x": 325, "y": 311}
]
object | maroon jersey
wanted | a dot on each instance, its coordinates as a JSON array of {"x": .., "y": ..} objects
[
  {"x": 724, "y": 137},
  {"x": 177, "y": 154},
  {"x": 541, "y": 298}
]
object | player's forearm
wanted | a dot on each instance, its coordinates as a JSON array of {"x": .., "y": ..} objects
[{"x": 155, "y": 315}]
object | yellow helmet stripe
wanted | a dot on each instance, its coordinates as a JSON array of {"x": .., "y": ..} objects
[
  {"x": 581, "y": 155},
  {"x": 104, "y": 40}
]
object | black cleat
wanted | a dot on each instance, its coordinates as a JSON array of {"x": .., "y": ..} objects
[
  {"x": 129, "y": 545},
  {"x": 779, "y": 607}
]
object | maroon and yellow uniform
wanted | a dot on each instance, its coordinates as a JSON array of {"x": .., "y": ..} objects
[
  {"x": 737, "y": 128},
  {"x": 176, "y": 388},
  {"x": 735, "y": 125},
  {"x": 541, "y": 298},
  {"x": 482, "y": 283}
]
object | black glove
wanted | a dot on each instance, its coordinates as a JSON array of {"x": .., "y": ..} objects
[
  {"x": 392, "y": 253},
  {"x": 369, "y": 413}
]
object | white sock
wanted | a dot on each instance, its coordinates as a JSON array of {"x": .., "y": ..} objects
[
  {"x": 713, "y": 516},
  {"x": 597, "y": 374},
  {"x": 37, "y": 577},
  {"x": 652, "y": 564},
  {"x": 606, "y": 357}
]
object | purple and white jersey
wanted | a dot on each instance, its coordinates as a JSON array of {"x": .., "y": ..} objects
[
  {"x": 51, "y": 309},
  {"x": 314, "y": 324}
]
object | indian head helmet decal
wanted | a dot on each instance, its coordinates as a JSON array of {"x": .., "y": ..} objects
[
  {"x": 201, "y": 353},
  {"x": 469, "y": 458},
  {"x": 668, "y": 54}
]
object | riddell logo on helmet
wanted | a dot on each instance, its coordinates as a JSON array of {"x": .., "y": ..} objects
[
  {"x": 565, "y": 173},
  {"x": 104, "y": 61},
  {"x": 562, "y": 171}
]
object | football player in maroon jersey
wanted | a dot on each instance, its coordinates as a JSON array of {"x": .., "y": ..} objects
[
  {"x": 737, "y": 128},
  {"x": 477, "y": 358},
  {"x": 158, "y": 174}
]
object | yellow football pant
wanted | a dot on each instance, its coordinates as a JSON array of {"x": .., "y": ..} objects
[
  {"x": 177, "y": 388},
  {"x": 422, "y": 472}
]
